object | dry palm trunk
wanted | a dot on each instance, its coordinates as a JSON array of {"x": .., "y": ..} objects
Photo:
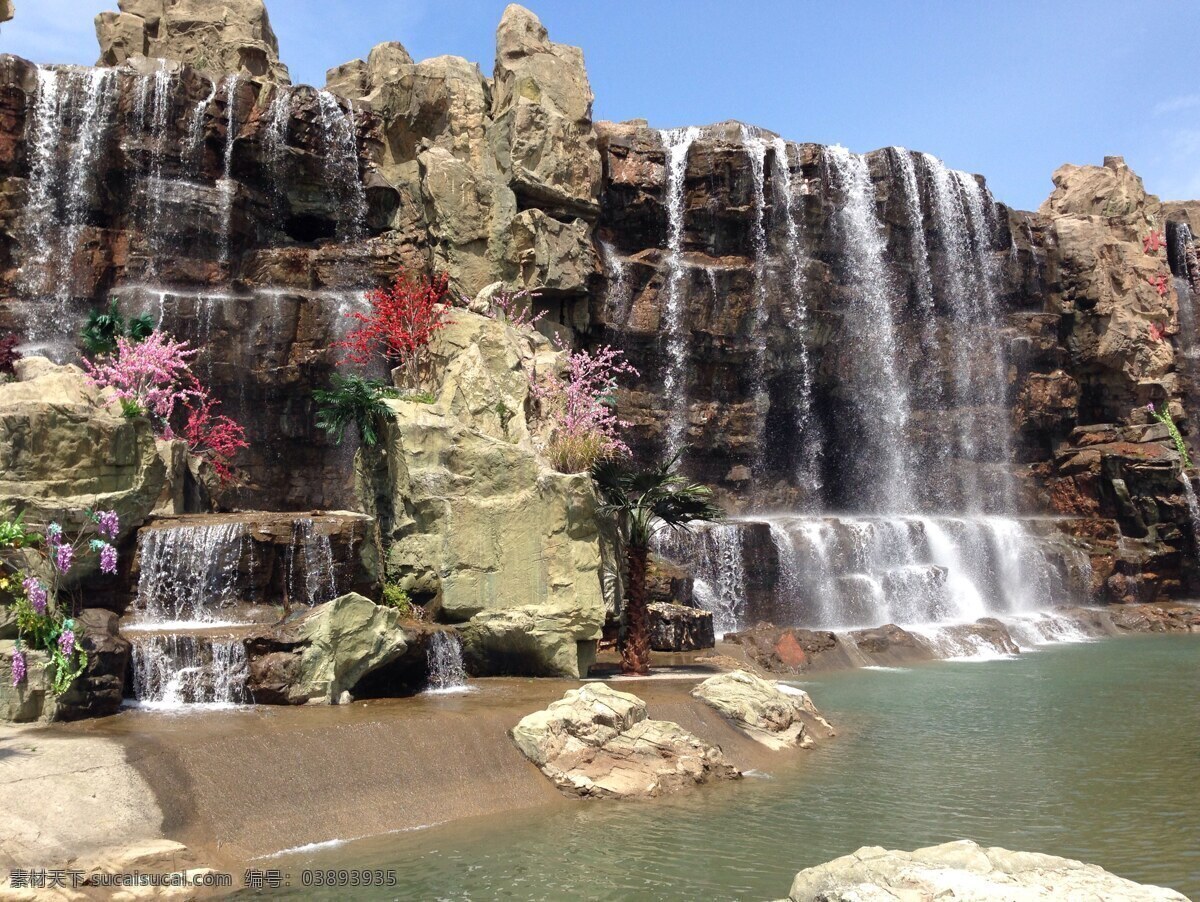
[{"x": 635, "y": 645}]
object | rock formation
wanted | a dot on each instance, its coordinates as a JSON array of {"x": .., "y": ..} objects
[
  {"x": 964, "y": 871},
  {"x": 771, "y": 713},
  {"x": 596, "y": 742},
  {"x": 234, "y": 36},
  {"x": 6, "y": 10},
  {"x": 675, "y": 627},
  {"x": 475, "y": 521}
]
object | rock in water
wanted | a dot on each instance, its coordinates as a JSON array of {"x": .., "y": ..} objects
[
  {"x": 233, "y": 36},
  {"x": 674, "y": 627},
  {"x": 964, "y": 872},
  {"x": 596, "y": 742},
  {"x": 768, "y": 712}
]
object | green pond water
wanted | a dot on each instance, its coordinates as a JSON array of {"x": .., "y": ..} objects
[{"x": 1089, "y": 751}]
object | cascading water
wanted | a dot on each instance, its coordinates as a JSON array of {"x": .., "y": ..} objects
[
  {"x": 341, "y": 165},
  {"x": 69, "y": 129},
  {"x": 170, "y": 671},
  {"x": 676, "y": 144},
  {"x": 808, "y": 455},
  {"x": 619, "y": 297},
  {"x": 932, "y": 543},
  {"x": 444, "y": 658},
  {"x": 152, "y": 114},
  {"x": 881, "y": 394},
  {"x": 226, "y": 186},
  {"x": 314, "y": 561},
  {"x": 186, "y": 573}
]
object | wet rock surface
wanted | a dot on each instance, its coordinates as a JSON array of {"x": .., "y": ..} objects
[
  {"x": 675, "y": 627},
  {"x": 597, "y": 742},
  {"x": 774, "y": 714},
  {"x": 964, "y": 871}
]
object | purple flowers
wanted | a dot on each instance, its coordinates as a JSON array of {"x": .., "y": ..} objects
[
  {"x": 63, "y": 555},
  {"x": 108, "y": 559},
  {"x": 108, "y": 524},
  {"x": 18, "y": 667},
  {"x": 66, "y": 643},
  {"x": 36, "y": 593}
]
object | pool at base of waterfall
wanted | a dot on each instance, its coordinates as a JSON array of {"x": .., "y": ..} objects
[{"x": 1084, "y": 750}]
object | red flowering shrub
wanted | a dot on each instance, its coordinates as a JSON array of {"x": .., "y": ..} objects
[
  {"x": 1152, "y": 242},
  {"x": 213, "y": 436},
  {"x": 401, "y": 323}
]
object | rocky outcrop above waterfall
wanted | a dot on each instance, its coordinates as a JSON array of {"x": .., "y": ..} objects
[
  {"x": 965, "y": 872},
  {"x": 65, "y": 449},
  {"x": 774, "y": 714},
  {"x": 232, "y": 37},
  {"x": 475, "y": 524},
  {"x": 6, "y": 10},
  {"x": 597, "y": 742},
  {"x": 502, "y": 175},
  {"x": 320, "y": 656}
]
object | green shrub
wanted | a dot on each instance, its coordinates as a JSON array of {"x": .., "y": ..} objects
[
  {"x": 1163, "y": 415},
  {"x": 396, "y": 597},
  {"x": 353, "y": 399},
  {"x": 419, "y": 396},
  {"x": 104, "y": 327}
]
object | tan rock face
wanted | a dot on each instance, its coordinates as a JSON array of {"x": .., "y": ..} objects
[
  {"x": 6, "y": 10},
  {"x": 597, "y": 742},
  {"x": 508, "y": 170},
  {"x": 771, "y": 713},
  {"x": 964, "y": 871},
  {"x": 233, "y": 36},
  {"x": 1109, "y": 190},
  {"x": 474, "y": 520},
  {"x": 63, "y": 449}
]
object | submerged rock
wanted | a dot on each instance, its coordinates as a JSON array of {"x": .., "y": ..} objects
[
  {"x": 768, "y": 712},
  {"x": 963, "y": 871},
  {"x": 596, "y": 742}
]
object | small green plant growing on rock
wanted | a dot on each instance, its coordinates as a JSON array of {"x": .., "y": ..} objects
[
  {"x": 399, "y": 599},
  {"x": 1163, "y": 415},
  {"x": 644, "y": 502},
  {"x": 353, "y": 400},
  {"x": 506, "y": 414},
  {"x": 105, "y": 326}
]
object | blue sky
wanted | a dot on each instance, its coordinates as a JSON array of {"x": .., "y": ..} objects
[{"x": 1009, "y": 89}]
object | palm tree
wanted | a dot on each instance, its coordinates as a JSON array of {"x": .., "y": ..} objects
[
  {"x": 352, "y": 399},
  {"x": 645, "y": 501}
]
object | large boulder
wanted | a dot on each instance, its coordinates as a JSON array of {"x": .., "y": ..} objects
[
  {"x": 542, "y": 112},
  {"x": 6, "y": 10},
  {"x": 771, "y": 713},
  {"x": 233, "y": 36},
  {"x": 596, "y": 742},
  {"x": 674, "y": 627},
  {"x": 475, "y": 521},
  {"x": 964, "y": 871},
  {"x": 64, "y": 450},
  {"x": 344, "y": 641}
]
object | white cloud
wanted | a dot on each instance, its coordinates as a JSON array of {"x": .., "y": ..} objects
[{"x": 1176, "y": 104}]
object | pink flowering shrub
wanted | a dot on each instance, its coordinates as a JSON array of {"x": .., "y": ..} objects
[
  {"x": 582, "y": 406},
  {"x": 149, "y": 377},
  {"x": 153, "y": 377},
  {"x": 514, "y": 308}
]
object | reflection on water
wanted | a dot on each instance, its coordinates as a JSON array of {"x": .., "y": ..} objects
[{"x": 1087, "y": 751}]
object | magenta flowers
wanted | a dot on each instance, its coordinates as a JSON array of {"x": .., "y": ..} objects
[
  {"x": 66, "y": 643},
  {"x": 36, "y": 593},
  {"x": 108, "y": 524},
  {"x": 152, "y": 374},
  {"x": 18, "y": 667},
  {"x": 582, "y": 405}
]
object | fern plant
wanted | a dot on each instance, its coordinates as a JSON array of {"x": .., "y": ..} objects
[
  {"x": 1163, "y": 415},
  {"x": 105, "y": 326},
  {"x": 352, "y": 399}
]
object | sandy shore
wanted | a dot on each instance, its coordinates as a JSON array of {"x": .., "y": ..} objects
[{"x": 237, "y": 785}]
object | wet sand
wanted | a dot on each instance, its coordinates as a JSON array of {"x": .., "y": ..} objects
[{"x": 235, "y": 785}]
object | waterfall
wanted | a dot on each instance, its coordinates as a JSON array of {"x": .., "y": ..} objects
[
  {"x": 808, "y": 437},
  {"x": 715, "y": 553},
  {"x": 341, "y": 166},
  {"x": 194, "y": 152},
  {"x": 187, "y": 572},
  {"x": 881, "y": 393},
  {"x": 1193, "y": 505},
  {"x": 171, "y": 671},
  {"x": 850, "y": 572},
  {"x": 154, "y": 96},
  {"x": 676, "y": 144},
  {"x": 68, "y": 130},
  {"x": 618, "y": 299},
  {"x": 315, "y": 561},
  {"x": 756, "y": 149},
  {"x": 227, "y": 187},
  {"x": 444, "y": 658}
]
